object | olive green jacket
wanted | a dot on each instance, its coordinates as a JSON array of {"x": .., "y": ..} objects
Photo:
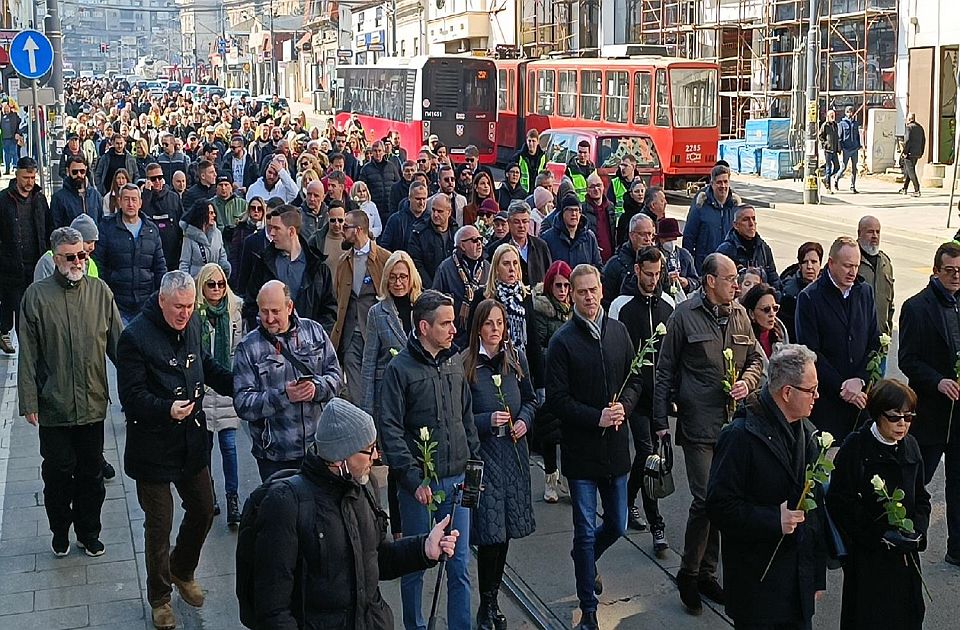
[
  {"x": 881, "y": 279},
  {"x": 67, "y": 329}
]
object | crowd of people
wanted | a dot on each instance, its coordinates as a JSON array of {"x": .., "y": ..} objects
[{"x": 349, "y": 307}]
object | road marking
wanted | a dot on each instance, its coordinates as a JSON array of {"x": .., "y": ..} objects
[{"x": 7, "y": 418}]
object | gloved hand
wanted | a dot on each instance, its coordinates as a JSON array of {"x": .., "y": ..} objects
[{"x": 896, "y": 540}]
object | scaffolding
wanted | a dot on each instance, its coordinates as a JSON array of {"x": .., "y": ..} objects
[{"x": 759, "y": 46}]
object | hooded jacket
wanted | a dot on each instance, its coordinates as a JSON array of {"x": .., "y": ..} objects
[
  {"x": 165, "y": 210},
  {"x": 67, "y": 204},
  {"x": 15, "y": 268},
  {"x": 708, "y": 223},
  {"x": 132, "y": 267},
  {"x": 157, "y": 365},
  {"x": 202, "y": 247},
  {"x": 281, "y": 430},
  {"x": 581, "y": 248},
  {"x": 380, "y": 178}
]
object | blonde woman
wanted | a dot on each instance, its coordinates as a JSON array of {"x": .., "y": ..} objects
[
  {"x": 221, "y": 329},
  {"x": 361, "y": 194},
  {"x": 111, "y": 201},
  {"x": 389, "y": 323}
]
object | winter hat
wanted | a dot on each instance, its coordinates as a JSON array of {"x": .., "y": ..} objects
[
  {"x": 343, "y": 430},
  {"x": 541, "y": 196},
  {"x": 570, "y": 200},
  {"x": 557, "y": 268},
  {"x": 87, "y": 228},
  {"x": 489, "y": 206}
]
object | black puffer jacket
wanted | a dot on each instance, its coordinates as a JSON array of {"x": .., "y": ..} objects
[
  {"x": 14, "y": 268},
  {"x": 380, "y": 178},
  {"x": 165, "y": 209},
  {"x": 428, "y": 248},
  {"x": 156, "y": 366},
  {"x": 131, "y": 267},
  {"x": 616, "y": 270},
  {"x": 346, "y": 556}
]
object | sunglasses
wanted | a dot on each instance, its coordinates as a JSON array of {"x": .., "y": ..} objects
[
  {"x": 897, "y": 417},
  {"x": 74, "y": 257},
  {"x": 82, "y": 171},
  {"x": 335, "y": 220},
  {"x": 421, "y": 161},
  {"x": 155, "y": 178},
  {"x": 772, "y": 308},
  {"x": 474, "y": 240},
  {"x": 216, "y": 284}
]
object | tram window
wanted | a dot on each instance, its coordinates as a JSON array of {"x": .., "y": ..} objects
[
  {"x": 531, "y": 92},
  {"x": 641, "y": 98},
  {"x": 546, "y": 89},
  {"x": 502, "y": 90},
  {"x": 567, "y": 92},
  {"x": 591, "y": 86},
  {"x": 512, "y": 91},
  {"x": 663, "y": 111},
  {"x": 617, "y": 96}
]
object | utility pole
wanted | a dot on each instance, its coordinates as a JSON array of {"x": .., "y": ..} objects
[
  {"x": 811, "y": 187},
  {"x": 393, "y": 27},
  {"x": 273, "y": 55},
  {"x": 55, "y": 33}
]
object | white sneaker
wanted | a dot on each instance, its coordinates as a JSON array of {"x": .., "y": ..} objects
[
  {"x": 563, "y": 487},
  {"x": 550, "y": 488}
]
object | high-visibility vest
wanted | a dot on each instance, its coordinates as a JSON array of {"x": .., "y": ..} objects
[
  {"x": 619, "y": 190},
  {"x": 525, "y": 171},
  {"x": 579, "y": 180}
]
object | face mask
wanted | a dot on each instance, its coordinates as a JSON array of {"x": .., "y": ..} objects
[{"x": 669, "y": 246}]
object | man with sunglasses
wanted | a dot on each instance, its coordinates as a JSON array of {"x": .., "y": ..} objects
[
  {"x": 690, "y": 373},
  {"x": 462, "y": 276},
  {"x": 747, "y": 249},
  {"x": 69, "y": 324},
  {"x": 76, "y": 197},
  {"x": 929, "y": 347},
  {"x": 165, "y": 209},
  {"x": 72, "y": 149}
]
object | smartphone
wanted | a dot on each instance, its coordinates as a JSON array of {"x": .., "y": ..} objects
[
  {"x": 304, "y": 379},
  {"x": 472, "y": 483}
]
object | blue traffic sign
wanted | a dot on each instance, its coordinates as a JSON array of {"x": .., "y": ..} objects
[{"x": 31, "y": 54}]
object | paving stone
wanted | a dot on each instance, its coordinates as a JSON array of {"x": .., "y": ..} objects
[
  {"x": 116, "y": 612},
  {"x": 13, "y": 603},
  {"x": 22, "y": 500},
  {"x": 27, "y": 473},
  {"x": 18, "y": 564},
  {"x": 58, "y": 619},
  {"x": 86, "y": 593},
  {"x": 112, "y": 571},
  {"x": 24, "y": 515},
  {"x": 27, "y": 529},
  {"x": 41, "y": 580}
]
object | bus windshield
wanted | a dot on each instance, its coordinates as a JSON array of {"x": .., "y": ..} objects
[
  {"x": 460, "y": 86},
  {"x": 694, "y": 95}
]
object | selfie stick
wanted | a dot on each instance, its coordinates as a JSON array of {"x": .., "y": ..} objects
[{"x": 457, "y": 495}]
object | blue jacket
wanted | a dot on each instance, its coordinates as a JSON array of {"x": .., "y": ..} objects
[
  {"x": 843, "y": 333},
  {"x": 849, "y": 130},
  {"x": 760, "y": 257},
  {"x": 707, "y": 224},
  {"x": 66, "y": 205},
  {"x": 279, "y": 429},
  {"x": 398, "y": 228},
  {"x": 132, "y": 268},
  {"x": 582, "y": 248}
]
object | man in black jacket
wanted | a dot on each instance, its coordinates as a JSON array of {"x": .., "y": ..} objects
[
  {"x": 644, "y": 311},
  {"x": 929, "y": 349},
  {"x": 829, "y": 136},
  {"x": 620, "y": 266},
  {"x": 755, "y": 482},
  {"x": 239, "y": 166},
  {"x": 425, "y": 396},
  {"x": 914, "y": 146},
  {"x": 24, "y": 237},
  {"x": 290, "y": 260},
  {"x": 163, "y": 207},
  {"x": 380, "y": 174},
  {"x": 534, "y": 253},
  {"x": 746, "y": 248},
  {"x": 401, "y": 189},
  {"x": 431, "y": 243},
  {"x": 592, "y": 405},
  {"x": 412, "y": 214},
  {"x": 204, "y": 188},
  {"x": 161, "y": 376},
  {"x": 335, "y": 472}
]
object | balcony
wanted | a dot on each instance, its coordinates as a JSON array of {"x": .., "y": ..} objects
[{"x": 466, "y": 24}]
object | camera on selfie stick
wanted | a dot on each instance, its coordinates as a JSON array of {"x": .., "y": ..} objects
[{"x": 466, "y": 494}]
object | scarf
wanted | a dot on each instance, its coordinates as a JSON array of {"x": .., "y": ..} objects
[
  {"x": 595, "y": 326},
  {"x": 720, "y": 312},
  {"x": 511, "y": 297},
  {"x": 469, "y": 277},
  {"x": 218, "y": 324}
]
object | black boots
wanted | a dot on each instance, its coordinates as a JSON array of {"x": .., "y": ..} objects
[
  {"x": 233, "y": 510},
  {"x": 588, "y": 621},
  {"x": 489, "y": 616}
]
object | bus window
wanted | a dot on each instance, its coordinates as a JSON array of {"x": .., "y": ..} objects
[
  {"x": 591, "y": 84},
  {"x": 641, "y": 98},
  {"x": 546, "y": 88},
  {"x": 531, "y": 92},
  {"x": 478, "y": 90},
  {"x": 663, "y": 112},
  {"x": 502, "y": 91},
  {"x": 567, "y": 92},
  {"x": 694, "y": 94},
  {"x": 618, "y": 93}
]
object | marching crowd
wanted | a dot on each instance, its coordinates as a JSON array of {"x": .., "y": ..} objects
[{"x": 350, "y": 307}]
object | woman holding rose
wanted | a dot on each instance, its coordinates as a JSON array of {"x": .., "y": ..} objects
[{"x": 504, "y": 404}]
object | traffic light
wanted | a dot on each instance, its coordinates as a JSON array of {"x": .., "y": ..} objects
[{"x": 104, "y": 47}]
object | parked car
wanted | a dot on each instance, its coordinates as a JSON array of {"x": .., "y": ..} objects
[
  {"x": 174, "y": 87},
  {"x": 268, "y": 98},
  {"x": 607, "y": 146},
  {"x": 235, "y": 94}
]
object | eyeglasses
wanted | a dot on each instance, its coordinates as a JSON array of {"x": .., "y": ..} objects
[
  {"x": 421, "y": 161},
  {"x": 370, "y": 451},
  {"x": 348, "y": 226},
  {"x": 898, "y": 417},
  {"x": 772, "y": 307},
  {"x": 215, "y": 284},
  {"x": 400, "y": 277},
  {"x": 155, "y": 178},
  {"x": 595, "y": 186},
  {"x": 474, "y": 240},
  {"x": 950, "y": 271},
  {"x": 728, "y": 279},
  {"x": 810, "y": 390},
  {"x": 561, "y": 286},
  {"x": 81, "y": 255},
  {"x": 81, "y": 171}
]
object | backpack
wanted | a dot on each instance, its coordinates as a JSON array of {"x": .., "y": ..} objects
[{"x": 247, "y": 537}]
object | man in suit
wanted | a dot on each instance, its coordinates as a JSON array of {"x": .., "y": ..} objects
[
  {"x": 534, "y": 252},
  {"x": 929, "y": 347},
  {"x": 837, "y": 319}
]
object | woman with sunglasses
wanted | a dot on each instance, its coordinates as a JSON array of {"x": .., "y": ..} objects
[
  {"x": 504, "y": 404},
  {"x": 762, "y": 308},
  {"x": 250, "y": 221},
  {"x": 111, "y": 201},
  {"x": 221, "y": 328},
  {"x": 882, "y": 585},
  {"x": 202, "y": 240}
]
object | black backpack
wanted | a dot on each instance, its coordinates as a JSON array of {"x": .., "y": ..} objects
[{"x": 247, "y": 537}]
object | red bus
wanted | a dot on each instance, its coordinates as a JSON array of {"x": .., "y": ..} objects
[
  {"x": 453, "y": 97},
  {"x": 673, "y": 100}
]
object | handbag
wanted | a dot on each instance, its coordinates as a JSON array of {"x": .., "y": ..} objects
[{"x": 658, "y": 471}]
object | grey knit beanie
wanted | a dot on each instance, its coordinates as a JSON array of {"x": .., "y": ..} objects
[
  {"x": 343, "y": 430},
  {"x": 87, "y": 228}
]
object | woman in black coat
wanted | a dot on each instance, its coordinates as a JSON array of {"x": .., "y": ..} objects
[
  {"x": 494, "y": 370},
  {"x": 882, "y": 586},
  {"x": 795, "y": 278}
]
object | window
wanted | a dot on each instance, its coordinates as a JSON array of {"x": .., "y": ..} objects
[
  {"x": 642, "y": 84},
  {"x": 591, "y": 84},
  {"x": 567, "y": 93},
  {"x": 512, "y": 91},
  {"x": 694, "y": 92},
  {"x": 611, "y": 149},
  {"x": 559, "y": 150},
  {"x": 663, "y": 112},
  {"x": 502, "y": 90},
  {"x": 618, "y": 94},
  {"x": 546, "y": 87},
  {"x": 531, "y": 91}
]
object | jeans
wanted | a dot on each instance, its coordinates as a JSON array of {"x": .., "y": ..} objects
[
  {"x": 831, "y": 166},
  {"x": 416, "y": 521},
  {"x": 11, "y": 153},
  {"x": 72, "y": 472},
  {"x": 227, "y": 438},
  {"x": 156, "y": 500},
  {"x": 910, "y": 174},
  {"x": 701, "y": 541},
  {"x": 931, "y": 460},
  {"x": 851, "y": 157},
  {"x": 590, "y": 541},
  {"x": 267, "y": 467},
  {"x": 645, "y": 443}
]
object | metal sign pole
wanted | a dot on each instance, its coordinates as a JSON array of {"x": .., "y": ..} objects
[{"x": 38, "y": 136}]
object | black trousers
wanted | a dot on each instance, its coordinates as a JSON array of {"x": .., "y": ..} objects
[
  {"x": 72, "y": 472},
  {"x": 645, "y": 443},
  {"x": 910, "y": 174},
  {"x": 10, "y": 296},
  {"x": 491, "y": 560}
]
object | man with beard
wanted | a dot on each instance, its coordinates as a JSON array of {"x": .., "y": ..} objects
[
  {"x": 164, "y": 208},
  {"x": 357, "y": 283},
  {"x": 76, "y": 197},
  {"x": 239, "y": 166},
  {"x": 877, "y": 271},
  {"x": 69, "y": 324},
  {"x": 461, "y": 276},
  {"x": 276, "y": 182}
]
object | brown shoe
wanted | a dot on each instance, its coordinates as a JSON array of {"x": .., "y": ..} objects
[
  {"x": 163, "y": 618},
  {"x": 190, "y": 591}
]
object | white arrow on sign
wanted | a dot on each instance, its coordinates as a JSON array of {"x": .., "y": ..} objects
[{"x": 30, "y": 47}]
